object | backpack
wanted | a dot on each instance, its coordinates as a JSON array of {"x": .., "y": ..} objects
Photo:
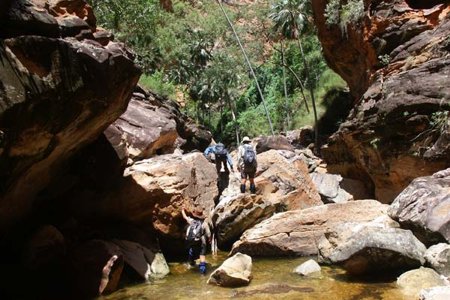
[
  {"x": 220, "y": 152},
  {"x": 195, "y": 231},
  {"x": 249, "y": 157}
]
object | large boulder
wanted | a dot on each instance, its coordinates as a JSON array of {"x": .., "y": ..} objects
[
  {"x": 277, "y": 142},
  {"x": 424, "y": 207},
  {"x": 283, "y": 177},
  {"x": 154, "y": 191},
  {"x": 143, "y": 131},
  {"x": 153, "y": 125},
  {"x": 371, "y": 247},
  {"x": 234, "y": 272},
  {"x": 146, "y": 263},
  {"x": 412, "y": 282},
  {"x": 56, "y": 95},
  {"x": 298, "y": 232},
  {"x": 232, "y": 216},
  {"x": 394, "y": 57},
  {"x": 85, "y": 264}
]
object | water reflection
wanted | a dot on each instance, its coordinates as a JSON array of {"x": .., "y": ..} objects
[{"x": 272, "y": 279}]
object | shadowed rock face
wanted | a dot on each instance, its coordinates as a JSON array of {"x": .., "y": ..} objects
[
  {"x": 57, "y": 94},
  {"x": 394, "y": 58}
]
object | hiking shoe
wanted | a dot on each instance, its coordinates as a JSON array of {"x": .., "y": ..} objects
[
  {"x": 242, "y": 188},
  {"x": 252, "y": 188},
  {"x": 202, "y": 267}
]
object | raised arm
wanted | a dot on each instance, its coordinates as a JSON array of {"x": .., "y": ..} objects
[
  {"x": 208, "y": 151},
  {"x": 185, "y": 217},
  {"x": 230, "y": 161}
]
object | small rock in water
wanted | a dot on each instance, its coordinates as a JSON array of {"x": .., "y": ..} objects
[{"x": 308, "y": 268}]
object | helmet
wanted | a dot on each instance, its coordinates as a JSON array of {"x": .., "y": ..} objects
[{"x": 246, "y": 139}]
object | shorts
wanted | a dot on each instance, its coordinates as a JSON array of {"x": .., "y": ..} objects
[
  {"x": 250, "y": 175},
  {"x": 198, "y": 248}
]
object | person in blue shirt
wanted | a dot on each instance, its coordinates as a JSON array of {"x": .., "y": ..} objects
[
  {"x": 221, "y": 157},
  {"x": 224, "y": 165}
]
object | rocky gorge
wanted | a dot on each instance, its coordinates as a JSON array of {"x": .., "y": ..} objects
[{"x": 93, "y": 166}]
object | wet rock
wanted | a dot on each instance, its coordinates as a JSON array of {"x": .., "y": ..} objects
[
  {"x": 146, "y": 263},
  {"x": 412, "y": 282},
  {"x": 234, "y": 271},
  {"x": 423, "y": 207},
  {"x": 438, "y": 257},
  {"x": 309, "y": 268},
  {"x": 371, "y": 247},
  {"x": 86, "y": 263},
  {"x": 298, "y": 232}
]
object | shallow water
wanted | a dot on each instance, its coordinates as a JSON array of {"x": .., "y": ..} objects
[{"x": 272, "y": 279}]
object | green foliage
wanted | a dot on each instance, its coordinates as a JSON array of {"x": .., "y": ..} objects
[
  {"x": 384, "y": 59},
  {"x": 159, "y": 84},
  {"x": 439, "y": 121},
  {"x": 342, "y": 15},
  {"x": 193, "y": 50}
]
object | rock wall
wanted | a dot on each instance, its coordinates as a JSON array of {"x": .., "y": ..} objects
[
  {"x": 394, "y": 57},
  {"x": 59, "y": 90}
]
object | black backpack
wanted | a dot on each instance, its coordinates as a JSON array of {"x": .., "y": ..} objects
[
  {"x": 249, "y": 157},
  {"x": 220, "y": 152},
  {"x": 194, "y": 231}
]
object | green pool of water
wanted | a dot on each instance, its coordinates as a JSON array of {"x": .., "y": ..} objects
[{"x": 272, "y": 279}]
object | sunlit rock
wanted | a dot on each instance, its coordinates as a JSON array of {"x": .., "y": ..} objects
[
  {"x": 298, "y": 232},
  {"x": 435, "y": 293},
  {"x": 394, "y": 57},
  {"x": 328, "y": 186},
  {"x": 234, "y": 271},
  {"x": 233, "y": 215},
  {"x": 424, "y": 207},
  {"x": 412, "y": 282},
  {"x": 309, "y": 268},
  {"x": 438, "y": 257}
]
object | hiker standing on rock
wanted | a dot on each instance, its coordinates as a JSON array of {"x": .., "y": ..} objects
[
  {"x": 196, "y": 238},
  {"x": 247, "y": 164},
  {"x": 224, "y": 164},
  {"x": 221, "y": 157}
]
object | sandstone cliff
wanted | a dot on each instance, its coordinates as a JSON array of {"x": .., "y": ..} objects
[{"x": 394, "y": 56}]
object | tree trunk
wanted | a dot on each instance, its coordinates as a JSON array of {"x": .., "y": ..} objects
[
  {"x": 311, "y": 91},
  {"x": 286, "y": 104},
  {"x": 233, "y": 116},
  {"x": 249, "y": 65}
]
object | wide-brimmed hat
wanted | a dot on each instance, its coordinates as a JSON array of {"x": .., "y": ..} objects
[
  {"x": 246, "y": 139},
  {"x": 197, "y": 213}
]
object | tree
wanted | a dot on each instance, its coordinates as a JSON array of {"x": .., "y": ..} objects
[
  {"x": 291, "y": 18},
  {"x": 249, "y": 65}
]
